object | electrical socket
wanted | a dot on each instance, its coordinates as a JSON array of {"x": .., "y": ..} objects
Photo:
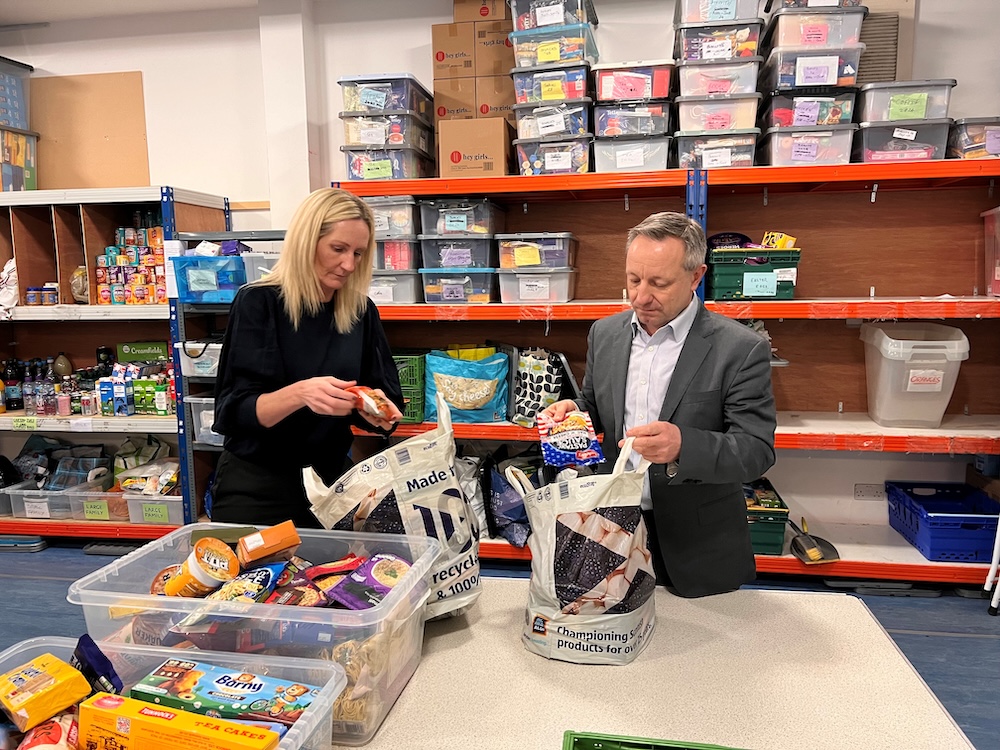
[{"x": 869, "y": 492}]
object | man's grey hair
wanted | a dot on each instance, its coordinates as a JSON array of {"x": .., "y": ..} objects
[{"x": 667, "y": 224}]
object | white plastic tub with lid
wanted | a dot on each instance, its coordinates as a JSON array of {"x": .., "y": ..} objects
[
  {"x": 527, "y": 285},
  {"x": 906, "y": 100},
  {"x": 911, "y": 369},
  {"x": 641, "y": 153}
]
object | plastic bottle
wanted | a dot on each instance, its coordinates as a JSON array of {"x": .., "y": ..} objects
[
  {"x": 28, "y": 391},
  {"x": 64, "y": 402},
  {"x": 62, "y": 366},
  {"x": 76, "y": 403},
  {"x": 12, "y": 381}
]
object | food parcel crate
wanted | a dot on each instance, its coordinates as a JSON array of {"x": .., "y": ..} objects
[
  {"x": 588, "y": 741},
  {"x": 767, "y": 516},
  {"x": 753, "y": 273}
]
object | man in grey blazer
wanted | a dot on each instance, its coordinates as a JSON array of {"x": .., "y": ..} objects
[{"x": 694, "y": 389}]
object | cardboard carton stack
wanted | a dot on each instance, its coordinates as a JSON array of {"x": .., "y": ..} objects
[{"x": 473, "y": 91}]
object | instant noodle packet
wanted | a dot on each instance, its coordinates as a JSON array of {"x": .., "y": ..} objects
[{"x": 368, "y": 585}]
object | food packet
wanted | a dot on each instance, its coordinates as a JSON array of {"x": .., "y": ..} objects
[
  {"x": 371, "y": 402},
  {"x": 295, "y": 589},
  {"x": 91, "y": 662},
  {"x": 368, "y": 585},
  {"x": 571, "y": 442},
  {"x": 328, "y": 575},
  {"x": 253, "y": 585},
  {"x": 61, "y": 732},
  {"x": 269, "y": 545},
  {"x": 40, "y": 689}
]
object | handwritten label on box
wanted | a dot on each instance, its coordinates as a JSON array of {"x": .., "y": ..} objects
[
  {"x": 716, "y": 157},
  {"x": 904, "y": 134},
  {"x": 908, "y": 106},
  {"x": 549, "y": 15},
  {"x": 717, "y": 49},
  {"x": 551, "y": 124},
  {"x": 377, "y": 170},
  {"x": 548, "y": 52},
  {"x": 95, "y": 510},
  {"x": 806, "y": 112},
  {"x": 552, "y": 90},
  {"x": 530, "y": 288},
  {"x": 373, "y": 98},
  {"x": 381, "y": 222},
  {"x": 155, "y": 513},
  {"x": 804, "y": 149},
  {"x": 456, "y": 222},
  {"x": 718, "y": 86},
  {"x": 814, "y": 33},
  {"x": 453, "y": 292},
  {"x": 559, "y": 161},
  {"x": 760, "y": 284},
  {"x": 817, "y": 71},
  {"x": 629, "y": 158},
  {"x": 380, "y": 293},
  {"x": 925, "y": 381},
  {"x": 718, "y": 121},
  {"x": 527, "y": 255},
  {"x": 993, "y": 141},
  {"x": 456, "y": 257},
  {"x": 37, "y": 509},
  {"x": 721, "y": 10},
  {"x": 374, "y": 134},
  {"x": 787, "y": 274}
]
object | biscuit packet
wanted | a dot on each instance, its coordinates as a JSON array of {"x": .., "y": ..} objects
[
  {"x": 328, "y": 575},
  {"x": 91, "y": 662},
  {"x": 571, "y": 442},
  {"x": 37, "y": 691},
  {"x": 61, "y": 732},
  {"x": 295, "y": 589},
  {"x": 371, "y": 582}
]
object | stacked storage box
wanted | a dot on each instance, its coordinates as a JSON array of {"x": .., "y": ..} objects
[
  {"x": 458, "y": 250},
  {"x": 388, "y": 133},
  {"x": 18, "y": 144},
  {"x": 739, "y": 270},
  {"x": 410, "y": 366},
  {"x": 397, "y": 252},
  {"x": 537, "y": 267},
  {"x": 716, "y": 46},
  {"x": 553, "y": 51},
  {"x": 809, "y": 83},
  {"x": 632, "y": 115},
  {"x": 904, "y": 121}
]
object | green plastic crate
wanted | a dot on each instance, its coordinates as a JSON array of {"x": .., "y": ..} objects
[
  {"x": 587, "y": 741},
  {"x": 767, "y": 525},
  {"x": 413, "y": 413},
  {"x": 728, "y": 274},
  {"x": 411, "y": 370}
]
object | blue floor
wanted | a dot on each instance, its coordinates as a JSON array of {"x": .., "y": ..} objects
[{"x": 950, "y": 640}]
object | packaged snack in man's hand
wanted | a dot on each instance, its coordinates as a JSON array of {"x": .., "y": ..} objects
[{"x": 571, "y": 442}]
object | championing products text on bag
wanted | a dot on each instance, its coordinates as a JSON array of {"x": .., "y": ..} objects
[
  {"x": 411, "y": 488},
  {"x": 475, "y": 390},
  {"x": 590, "y": 599}
]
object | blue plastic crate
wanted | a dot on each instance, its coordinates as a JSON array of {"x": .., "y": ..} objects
[
  {"x": 949, "y": 522},
  {"x": 208, "y": 279}
]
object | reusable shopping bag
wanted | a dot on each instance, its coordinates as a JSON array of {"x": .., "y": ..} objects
[
  {"x": 475, "y": 390},
  {"x": 537, "y": 384}
]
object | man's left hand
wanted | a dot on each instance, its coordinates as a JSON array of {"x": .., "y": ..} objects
[{"x": 657, "y": 442}]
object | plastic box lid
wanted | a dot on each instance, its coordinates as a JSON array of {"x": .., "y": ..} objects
[
  {"x": 387, "y": 272},
  {"x": 200, "y": 400},
  {"x": 383, "y": 78},
  {"x": 458, "y": 202},
  {"x": 387, "y": 147},
  {"x": 385, "y": 113},
  {"x": 552, "y": 66},
  {"x": 719, "y": 97},
  {"x": 400, "y": 238},
  {"x": 909, "y": 84},
  {"x": 640, "y": 137},
  {"x": 721, "y": 61},
  {"x": 905, "y": 123},
  {"x": 570, "y": 29},
  {"x": 714, "y": 24},
  {"x": 978, "y": 120},
  {"x": 537, "y": 236},
  {"x": 779, "y": 130},
  {"x": 901, "y": 340},
  {"x": 456, "y": 270},
  {"x": 814, "y": 11},
  {"x": 390, "y": 200},
  {"x": 715, "y": 133},
  {"x": 556, "y": 139},
  {"x": 633, "y": 64},
  {"x": 825, "y": 52},
  {"x": 455, "y": 236},
  {"x": 539, "y": 270},
  {"x": 584, "y": 102}
]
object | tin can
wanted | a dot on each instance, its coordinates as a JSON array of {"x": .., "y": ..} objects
[
  {"x": 50, "y": 296},
  {"x": 117, "y": 294},
  {"x": 104, "y": 294},
  {"x": 33, "y": 295},
  {"x": 210, "y": 564},
  {"x": 86, "y": 404}
]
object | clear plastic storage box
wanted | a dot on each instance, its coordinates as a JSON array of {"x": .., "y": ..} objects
[
  {"x": 632, "y": 118},
  {"x": 708, "y": 150},
  {"x": 386, "y": 91},
  {"x": 395, "y": 287},
  {"x": 719, "y": 112},
  {"x": 703, "y": 11},
  {"x": 397, "y": 254},
  {"x": 797, "y": 146},
  {"x": 820, "y": 4},
  {"x": 537, "y": 250},
  {"x": 311, "y": 731},
  {"x": 709, "y": 77},
  {"x": 198, "y": 358},
  {"x": 206, "y": 279},
  {"x": 392, "y": 128},
  {"x": 799, "y": 67},
  {"x": 461, "y": 216},
  {"x": 459, "y": 285},
  {"x": 819, "y": 28},
  {"x": 911, "y": 369},
  {"x": 631, "y": 153},
  {"x": 203, "y": 418},
  {"x": 628, "y": 81},
  {"x": 545, "y": 120},
  {"x": 723, "y": 40},
  {"x": 905, "y": 140},
  {"x": 906, "y": 100},
  {"x": 974, "y": 138},
  {"x": 91, "y": 502},
  {"x": 558, "y": 155},
  {"x": 554, "y": 44},
  {"x": 395, "y": 215},
  {"x": 532, "y": 14},
  {"x": 117, "y": 605},
  {"x": 155, "y": 509},
  {"x": 5, "y": 508},
  {"x": 991, "y": 240},
  {"x": 440, "y": 251},
  {"x": 803, "y": 107},
  {"x": 14, "y": 89},
  {"x": 537, "y": 285},
  {"x": 387, "y": 163},
  {"x": 548, "y": 84},
  {"x": 258, "y": 265},
  {"x": 30, "y": 502}
]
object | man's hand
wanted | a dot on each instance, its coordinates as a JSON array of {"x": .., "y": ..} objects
[
  {"x": 657, "y": 442},
  {"x": 386, "y": 424},
  {"x": 557, "y": 411}
]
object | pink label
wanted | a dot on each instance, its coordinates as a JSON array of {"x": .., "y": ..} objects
[
  {"x": 718, "y": 86},
  {"x": 993, "y": 141},
  {"x": 814, "y": 33},
  {"x": 718, "y": 121}
]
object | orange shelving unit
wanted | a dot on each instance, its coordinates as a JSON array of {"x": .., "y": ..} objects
[{"x": 82, "y": 529}]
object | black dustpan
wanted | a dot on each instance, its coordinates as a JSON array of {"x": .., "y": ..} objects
[{"x": 812, "y": 550}]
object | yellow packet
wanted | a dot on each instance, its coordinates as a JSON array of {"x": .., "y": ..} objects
[{"x": 40, "y": 689}]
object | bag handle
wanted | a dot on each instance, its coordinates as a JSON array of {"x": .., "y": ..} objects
[
  {"x": 519, "y": 481},
  {"x": 623, "y": 457},
  {"x": 444, "y": 412}
]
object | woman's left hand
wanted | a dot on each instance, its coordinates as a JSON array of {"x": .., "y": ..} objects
[{"x": 384, "y": 424}]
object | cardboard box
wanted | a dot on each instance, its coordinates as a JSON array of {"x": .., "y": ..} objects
[
  {"x": 494, "y": 51},
  {"x": 454, "y": 99},
  {"x": 270, "y": 544},
  {"x": 481, "y": 10},
  {"x": 988, "y": 485},
  {"x": 454, "y": 50},
  {"x": 474, "y": 148},
  {"x": 495, "y": 98}
]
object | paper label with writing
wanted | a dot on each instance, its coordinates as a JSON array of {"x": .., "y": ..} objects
[
  {"x": 787, "y": 274},
  {"x": 377, "y": 170},
  {"x": 453, "y": 292},
  {"x": 373, "y": 98},
  {"x": 822, "y": 3},
  {"x": 456, "y": 257},
  {"x": 202, "y": 279},
  {"x": 721, "y": 10},
  {"x": 548, "y": 52},
  {"x": 716, "y": 157},
  {"x": 552, "y": 90},
  {"x": 626, "y": 158},
  {"x": 24, "y": 423},
  {"x": 559, "y": 161},
  {"x": 155, "y": 513},
  {"x": 96, "y": 510},
  {"x": 993, "y": 141},
  {"x": 804, "y": 149},
  {"x": 549, "y": 15},
  {"x": 908, "y": 106},
  {"x": 760, "y": 284},
  {"x": 718, "y": 121},
  {"x": 380, "y": 293},
  {"x": 814, "y": 33},
  {"x": 456, "y": 222},
  {"x": 81, "y": 424},
  {"x": 718, "y": 86},
  {"x": 817, "y": 71},
  {"x": 373, "y": 134},
  {"x": 527, "y": 255},
  {"x": 806, "y": 112},
  {"x": 904, "y": 134},
  {"x": 37, "y": 509},
  {"x": 381, "y": 222},
  {"x": 551, "y": 124},
  {"x": 925, "y": 381},
  {"x": 531, "y": 288},
  {"x": 717, "y": 49}
]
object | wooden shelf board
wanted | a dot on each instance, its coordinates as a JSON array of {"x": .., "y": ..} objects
[
  {"x": 136, "y": 423},
  {"x": 84, "y": 529},
  {"x": 91, "y": 312}
]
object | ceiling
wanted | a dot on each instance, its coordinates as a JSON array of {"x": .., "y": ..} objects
[{"x": 34, "y": 11}]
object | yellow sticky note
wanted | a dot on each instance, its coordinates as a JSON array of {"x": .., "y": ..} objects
[
  {"x": 552, "y": 90},
  {"x": 548, "y": 52},
  {"x": 527, "y": 255}
]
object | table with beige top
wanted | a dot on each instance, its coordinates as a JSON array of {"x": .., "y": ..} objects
[{"x": 767, "y": 670}]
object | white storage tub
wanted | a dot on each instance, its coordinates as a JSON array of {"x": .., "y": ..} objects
[
  {"x": 903, "y": 140},
  {"x": 906, "y": 100},
  {"x": 526, "y": 285},
  {"x": 199, "y": 358},
  {"x": 709, "y": 77},
  {"x": 974, "y": 138},
  {"x": 911, "y": 369},
  {"x": 457, "y": 251},
  {"x": 801, "y": 67},
  {"x": 395, "y": 215},
  {"x": 395, "y": 287},
  {"x": 29, "y": 502},
  {"x": 461, "y": 216},
  {"x": 715, "y": 150},
  {"x": 819, "y": 28},
  {"x": 203, "y": 419},
  {"x": 640, "y": 153},
  {"x": 703, "y": 11},
  {"x": 632, "y": 118},
  {"x": 392, "y": 127},
  {"x": 720, "y": 112},
  {"x": 543, "y": 120},
  {"x": 459, "y": 286},
  {"x": 717, "y": 40},
  {"x": 259, "y": 265},
  {"x": 797, "y": 146},
  {"x": 155, "y": 509},
  {"x": 631, "y": 81},
  {"x": 5, "y": 508}
]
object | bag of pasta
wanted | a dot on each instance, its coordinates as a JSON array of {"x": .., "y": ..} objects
[
  {"x": 411, "y": 488},
  {"x": 590, "y": 598}
]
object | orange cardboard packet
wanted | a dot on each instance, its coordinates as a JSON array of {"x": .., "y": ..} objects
[{"x": 272, "y": 544}]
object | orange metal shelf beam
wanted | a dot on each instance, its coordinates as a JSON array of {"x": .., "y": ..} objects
[
  {"x": 926, "y": 171},
  {"x": 85, "y": 529}
]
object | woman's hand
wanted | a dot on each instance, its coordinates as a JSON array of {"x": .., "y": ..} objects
[
  {"x": 384, "y": 424},
  {"x": 326, "y": 395}
]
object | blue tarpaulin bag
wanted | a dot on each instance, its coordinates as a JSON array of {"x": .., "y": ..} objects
[{"x": 475, "y": 390}]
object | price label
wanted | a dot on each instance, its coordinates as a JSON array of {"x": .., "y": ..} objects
[
  {"x": 453, "y": 292},
  {"x": 993, "y": 141},
  {"x": 787, "y": 274},
  {"x": 549, "y": 15},
  {"x": 629, "y": 158},
  {"x": 806, "y": 112},
  {"x": 817, "y": 71},
  {"x": 377, "y": 170},
  {"x": 904, "y": 134},
  {"x": 551, "y": 124},
  {"x": 908, "y": 106},
  {"x": 380, "y": 293},
  {"x": 155, "y": 513},
  {"x": 456, "y": 257},
  {"x": 760, "y": 284},
  {"x": 381, "y": 222},
  {"x": 96, "y": 510},
  {"x": 373, "y": 98},
  {"x": 373, "y": 134},
  {"x": 804, "y": 149},
  {"x": 36, "y": 509},
  {"x": 814, "y": 33},
  {"x": 712, "y": 158},
  {"x": 24, "y": 424},
  {"x": 456, "y": 222},
  {"x": 718, "y": 121},
  {"x": 559, "y": 161},
  {"x": 721, "y": 10},
  {"x": 548, "y": 52},
  {"x": 717, "y": 49},
  {"x": 527, "y": 255},
  {"x": 81, "y": 424},
  {"x": 533, "y": 289}
]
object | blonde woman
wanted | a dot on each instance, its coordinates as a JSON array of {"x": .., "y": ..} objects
[{"x": 296, "y": 339}]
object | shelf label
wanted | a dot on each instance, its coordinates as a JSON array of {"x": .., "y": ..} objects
[
  {"x": 760, "y": 284},
  {"x": 551, "y": 124},
  {"x": 718, "y": 121},
  {"x": 804, "y": 149},
  {"x": 904, "y": 134},
  {"x": 376, "y": 170},
  {"x": 549, "y": 15},
  {"x": 155, "y": 513},
  {"x": 806, "y": 112},
  {"x": 527, "y": 255},
  {"x": 24, "y": 423},
  {"x": 721, "y": 10},
  {"x": 814, "y": 33},
  {"x": 717, "y": 49},
  {"x": 549, "y": 52},
  {"x": 925, "y": 381},
  {"x": 373, "y": 98},
  {"x": 380, "y": 293},
  {"x": 36, "y": 509},
  {"x": 96, "y": 510},
  {"x": 81, "y": 424},
  {"x": 456, "y": 257},
  {"x": 456, "y": 222},
  {"x": 716, "y": 157},
  {"x": 552, "y": 90},
  {"x": 817, "y": 71},
  {"x": 627, "y": 158},
  {"x": 992, "y": 140},
  {"x": 560, "y": 161},
  {"x": 530, "y": 288},
  {"x": 908, "y": 106}
]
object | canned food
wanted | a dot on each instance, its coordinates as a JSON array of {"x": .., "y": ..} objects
[
  {"x": 117, "y": 294},
  {"x": 210, "y": 564},
  {"x": 104, "y": 294},
  {"x": 50, "y": 296},
  {"x": 33, "y": 295}
]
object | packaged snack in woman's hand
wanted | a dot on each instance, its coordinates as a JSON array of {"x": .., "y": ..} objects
[
  {"x": 371, "y": 402},
  {"x": 571, "y": 442}
]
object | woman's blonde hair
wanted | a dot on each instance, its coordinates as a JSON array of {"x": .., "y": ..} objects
[{"x": 295, "y": 272}]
